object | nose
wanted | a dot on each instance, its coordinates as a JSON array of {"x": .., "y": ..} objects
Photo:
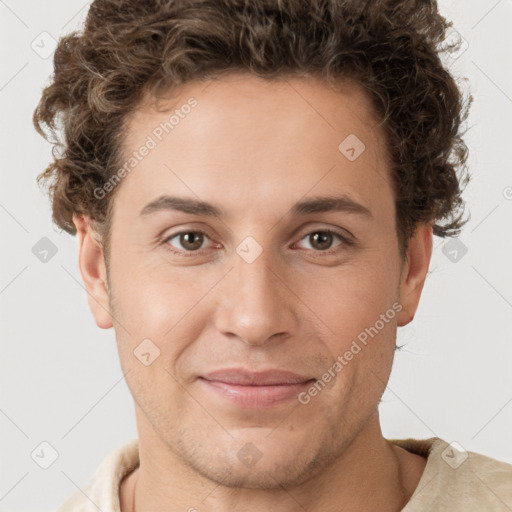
[{"x": 256, "y": 302}]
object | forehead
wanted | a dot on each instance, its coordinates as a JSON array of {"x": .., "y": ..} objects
[
  {"x": 239, "y": 98},
  {"x": 242, "y": 135}
]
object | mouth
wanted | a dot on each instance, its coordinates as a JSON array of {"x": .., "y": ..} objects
[{"x": 257, "y": 390}]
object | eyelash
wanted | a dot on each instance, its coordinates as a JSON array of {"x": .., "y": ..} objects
[{"x": 345, "y": 242}]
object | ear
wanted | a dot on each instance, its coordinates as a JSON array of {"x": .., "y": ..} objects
[
  {"x": 91, "y": 261},
  {"x": 414, "y": 272}
]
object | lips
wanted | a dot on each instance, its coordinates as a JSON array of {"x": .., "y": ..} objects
[
  {"x": 241, "y": 377},
  {"x": 259, "y": 390}
]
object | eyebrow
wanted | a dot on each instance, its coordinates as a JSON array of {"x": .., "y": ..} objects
[{"x": 314, "y": 205}]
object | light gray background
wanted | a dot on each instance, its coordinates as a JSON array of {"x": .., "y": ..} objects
[{"x": 61, "y": 379}]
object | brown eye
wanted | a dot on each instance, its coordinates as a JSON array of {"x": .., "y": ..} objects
[
  {"x": 322, "y": 240},
  {"x": 189, "y": 241}
]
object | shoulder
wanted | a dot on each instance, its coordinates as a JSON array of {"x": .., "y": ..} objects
[
  {"x": 101, "y": 492},
  {"x": 455, "y": 479}
]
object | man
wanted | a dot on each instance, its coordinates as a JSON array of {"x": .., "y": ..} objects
[{"x": 254, "y": 187}]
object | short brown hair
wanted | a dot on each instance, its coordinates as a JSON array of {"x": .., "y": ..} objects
[{"x": 391, "y": 48}]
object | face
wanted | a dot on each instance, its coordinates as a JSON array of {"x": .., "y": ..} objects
[{"x": 256, "y": 281}]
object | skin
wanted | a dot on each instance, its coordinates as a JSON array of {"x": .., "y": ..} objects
[{"x": 253, "y": 148}]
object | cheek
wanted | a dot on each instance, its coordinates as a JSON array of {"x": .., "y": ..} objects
[
  {"x": 152, "y": 299},
  {"x": 155, "y": 325},
  {"x": 165, "y": 306},
  {"x": 351, "y": 299},
  {"x": 358, "y": 303}
]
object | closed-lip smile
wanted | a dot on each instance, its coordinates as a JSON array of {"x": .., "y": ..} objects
[{"x": 261, "y": 389}]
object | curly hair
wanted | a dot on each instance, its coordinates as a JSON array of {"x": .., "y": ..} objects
[{"x": 128, "y": 48}]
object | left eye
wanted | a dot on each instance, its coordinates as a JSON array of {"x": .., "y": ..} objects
[{"x": 321, "y": 240}]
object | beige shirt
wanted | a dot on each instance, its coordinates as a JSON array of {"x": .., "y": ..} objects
[{"x": 453, "y": 480}]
